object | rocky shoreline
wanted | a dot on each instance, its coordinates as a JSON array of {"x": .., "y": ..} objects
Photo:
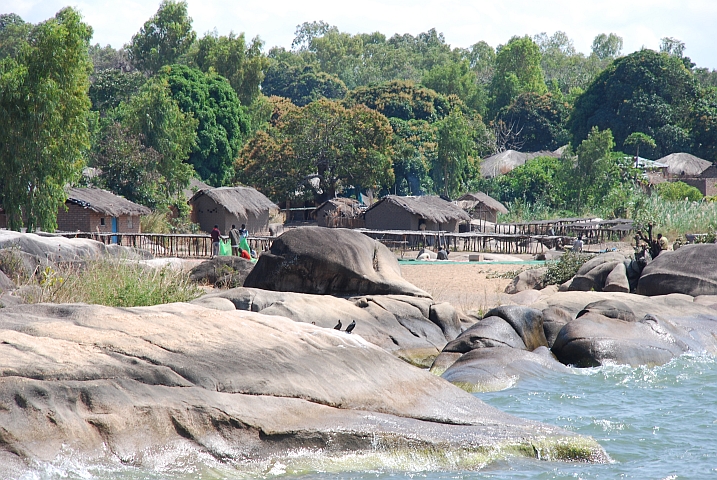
[{"x": 254, "y": 372}]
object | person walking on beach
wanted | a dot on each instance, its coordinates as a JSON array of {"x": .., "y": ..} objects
[{"x": 216, "y": 238}]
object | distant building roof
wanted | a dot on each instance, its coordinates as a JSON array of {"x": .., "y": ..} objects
[
  {"x": 470, "y": 200},
  {"x": 430, "y": 207},
  {"x": 238, "y": 201},
  {"x": 685, "y": 164},
  {"x": 647, "y": 164},
  {"x": 346, "y": 205},
  {"x": 105, "y": 202},
  {"x": 194, "y": 186},
  {"x": 503, "y": 162}
]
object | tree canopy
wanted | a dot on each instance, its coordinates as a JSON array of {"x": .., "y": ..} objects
[{"x": 44, "y": 112}]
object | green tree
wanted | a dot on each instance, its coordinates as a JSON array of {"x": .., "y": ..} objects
[
  {"x": 112, "y": 86},
  {"x": 163, "y": 39},
  {"x": 607, "y": 46},
  {"x": 302, "y": 85},
  {"x": 481, "y": 58},
  {"x": 454, "y": 163},
  {"x": 107, "y": 58},
  {"x": 540, "y": 121},
  {"x": 155, "y": 118},
  {"x": 540, "y": 180},
  {"x": 14, "y": 32},
  {"x": 565, "y": 69},
  {"x": 638, "y": 139},
  {"x": 322, "y": 149},
  {"x": 456, "y": 78},
  {"x": 44, "y": 110},
  {"x": 596, "y": 171},
  {"x": 517, "y": 70},
  {"x": 414, "y": 151},
  {"x": 644, "y": 92},
  {"x": 230, "y": 56},
  {"x": 128, "y": 168},
  {"x": 223, "y": 122},
  {"x": 404, "y": 100}
]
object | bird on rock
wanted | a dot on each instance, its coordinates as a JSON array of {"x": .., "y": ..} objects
[
  {"x": 351, "y": 326},
  {"x": 338, "y": 326}
]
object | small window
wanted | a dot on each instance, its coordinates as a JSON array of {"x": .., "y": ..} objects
[
  {"x": 102, "y": 221},
  {"x": 129, "y": 221}
]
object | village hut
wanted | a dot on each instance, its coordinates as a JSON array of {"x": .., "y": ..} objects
[
  {"x": 97, "y": 210},
  {"x": 415, "y": 213},
  {"x": 339, "y": 212},
  {"x": 481, "y": 207},
  {"x": 504, "y": 162},
  {"x": 684, "y": 164},
  {"x": 227, "y": 206},
  {"x": 691, "y": 170}
]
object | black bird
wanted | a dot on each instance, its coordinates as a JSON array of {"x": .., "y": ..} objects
[
  {"x": 338, "y": 326},
  {"x": 351, "y": 326}
]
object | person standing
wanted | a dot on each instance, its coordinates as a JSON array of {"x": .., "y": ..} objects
[
  {"x": 216, "y": 238},
  {"x": 243, "y": 231},
  {"x": 578, "y": 245},
  {"x": 235, "y": 238},
  {"x": 663, "y": 243}
]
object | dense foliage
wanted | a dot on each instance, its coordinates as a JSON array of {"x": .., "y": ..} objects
[{"x": 341, "y": 113}]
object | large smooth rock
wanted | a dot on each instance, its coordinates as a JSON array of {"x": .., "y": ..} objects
[
  {"x": 692, "y": 270},
  {"x": 222, "y": 271},
  {"x": 399, "y": 324},
  {"x": 60, "y": 249},
  {"x": 631, "y": 329},
  {"x": 554, "y": 319},
  {"x": 5, "y": 283},
  {"x": 332, "y": 261},
  {"x": 593, "y": 274},
  {"x": 497, "y": 368},
  {"x": 117, "y": 386},
  {"x": 617, "y": 280},
  {"x": 527, "y": 322},
  {"x": 532, "y": 279}
]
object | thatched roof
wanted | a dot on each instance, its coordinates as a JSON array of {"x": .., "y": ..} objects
[
  {"x": 685, "y": 164},
  {"x": 104, "y": 202},
  {"x": 239, "y": 201},
  {"x": 430, "y": 207},
  {"x": 503, "y": 162},
  {"x": 194, "y": 186},
  {"x": 469, "y": 201},
  {"x": 349, "y": 206}
]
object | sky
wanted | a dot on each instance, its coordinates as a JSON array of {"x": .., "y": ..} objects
[{"x": 641, "y": 23}]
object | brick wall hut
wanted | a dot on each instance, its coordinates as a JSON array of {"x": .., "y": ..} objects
[
  {"x": 227, "y": 206},
  {"x": 95, "y": 210},
  {"x": 408, "y": 213}
]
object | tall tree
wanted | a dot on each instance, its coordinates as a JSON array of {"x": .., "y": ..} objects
[
  {"x": 596, "y": 172},
  {"x": 163, "y": 39},
  {"x": 454, "y": 163},
  {"x": 607, "y": 46},
  {"x": 44, "y": 110},
  {"x": 230, "y": 56},
  {"x": 156, "y": 119},
  {"x": 539, "y": 121},
  {"x": 403, "y": 100},
  {"x": 223, "y": 122},
  {"x": 302, "y": 85},
  {"x": 517, "y": 70},
  {"x": 14, "y": 33},
  {"x": 322, "y": 149},
  {"x": 644, "y": 92},
  {"x": 456, "y": 78}
]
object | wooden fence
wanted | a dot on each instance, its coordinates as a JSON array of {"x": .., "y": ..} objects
[{"x": 168, "y": 245}]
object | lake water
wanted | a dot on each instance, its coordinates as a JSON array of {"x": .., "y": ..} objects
[{"x": 655, "y": 423}]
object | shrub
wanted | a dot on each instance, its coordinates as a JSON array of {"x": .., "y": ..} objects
[
  {"x": 114, "y": 283},
  {"x": 678, "y": 191},
  {"x": 565, "y": 268}
]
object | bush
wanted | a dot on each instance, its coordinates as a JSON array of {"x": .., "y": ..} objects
[
  {"x": 678, "y": 191},
  {"x": 565, "y": 268},
  {"x": 114, "y": 283}
]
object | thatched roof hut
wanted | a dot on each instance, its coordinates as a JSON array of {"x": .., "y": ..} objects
[
  {"x": 410, "y": 213},
  {"x": 194, "y": 186},
  {"x": 684, "y": 164},
  {"x": 227, "y": 206},
  {"x": 481, "y": 206},
  {"x": 104, "y": 202},
  {"x": 94, "y": 209},
  {"x": 503, "y": 162},
  {"x": 337, "y": 211}
]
